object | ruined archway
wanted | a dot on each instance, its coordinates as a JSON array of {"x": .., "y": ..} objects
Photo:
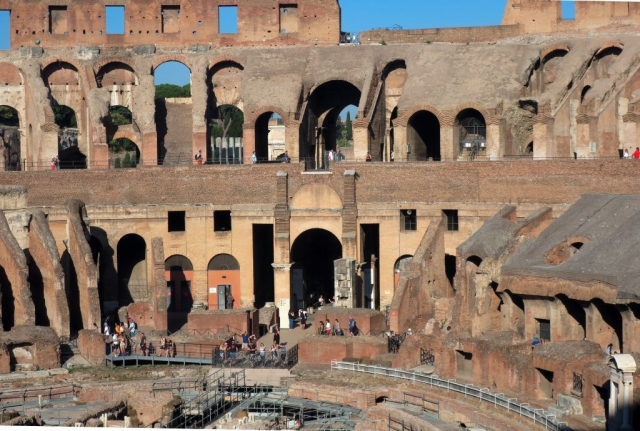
[
  {"x": 471, "y": 132},
  {"x": 123, "y": 153},
  {"x": 312, "y": 255},
  {"x": 318, "y": 127},
  {"x": 120, "y": 79},
  {"x": 69, "y": 154},
  {"x": 270, "y": 136},
  {"x": 224, "y": 106},
  {"x": 174, "y": 112},
  {"x": 132, "y": 269},
  {"x": 223, "y": 273},
  {"x": 423, "y": 137},
  {"x": 10, "y": 138},
  {"x": 394, "y": 77},
  {"x": 179, "y": 276},
  {"x": 545, "y": 70},
  {"x": 401, "y": 267}
]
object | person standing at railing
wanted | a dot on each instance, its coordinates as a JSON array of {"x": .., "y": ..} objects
[
  {"x": 143, "y": 344},
  {"x": 198, "y": 157},
  {"x": 636, "y": 154},
  {"x": 262, "y": 351},
  {"x": 254, "y": 158}
]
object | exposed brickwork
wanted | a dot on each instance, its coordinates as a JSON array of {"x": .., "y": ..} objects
[
  {"x": 322, "y": 350},
  {"x": 454, "y": 34},
  {"x": 223, "y": 321},
  {"x": 92, "y": 346}
]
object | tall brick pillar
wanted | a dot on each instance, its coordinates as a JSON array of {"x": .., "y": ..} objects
[
  {"x": 248, "y": 142},
  {"x": 400, "y": 142},
  {"x": 349, "y": 216},
  {"x": 158, "y": 300},
  {"x": 360, "y": 138},
  {"x": 149, "y": 154},
  {"x": 542, "y": 128},
  {"x": 292, "y": 139},
  {"x": 448, "y": 148},
  {"x": 493, "y": 148},
  {"x": 282, "y": 264},
  {"x": 199, "y": 119}
]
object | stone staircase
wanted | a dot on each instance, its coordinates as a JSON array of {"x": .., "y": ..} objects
[{"x": 70, "y": 356}]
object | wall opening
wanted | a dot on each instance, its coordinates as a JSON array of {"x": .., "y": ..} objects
[
  {"x": 270, "y": 138},
  {"x": 464, "y": 365},
  {"x": 58, "y": 20},
  {"x": 222, "y": 221},
  {"x": 313, "y": 253},
  {"x": 69, "y": 154},
  {"x": 123, "y": 153},
  {"x": 223, "y": 279},
  {"x": 5, "y": 30},
  {"x": 423, "y": 137},
  {"x": 344, "y": 131},
  {"x": 452, "y": 220},
  {"x": 471, "y": 131},
  {"x": 132, "y": 270},
  {"x": 568, "y": 10},
  {"x": 10, "y": 138},
  {"x": 114, "y": 19},
  {"x": 545, "y": 385},
  {"x": 543, "y": 328},
  {"x": 288, "y": 18},
  {"x": 170, "y": 19},
  {"x": 228, "y": 19},
  {"x": 36, "y": 284},
  {"x": 408, "y": 220},
  {"x": 223, "y": 99},
  {"x": 8, "y": 306},
  {"x": 73, "y": 292},
  {"x": 226, "y": 135},
  {"x": 263, "y": 255},
  {"x": 179, "y": 275},
  {"x": 368, "y": 288},
  {"x": 450, "y": 268},
  {"x": 400, "y": 267},
  {"x": 176, "y": 221}
]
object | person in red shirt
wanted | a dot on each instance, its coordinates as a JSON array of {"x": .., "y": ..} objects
[{"x": 636, "y": 154}]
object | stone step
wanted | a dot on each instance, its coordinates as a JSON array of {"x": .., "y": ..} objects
[{"x": 570, "y": 403}]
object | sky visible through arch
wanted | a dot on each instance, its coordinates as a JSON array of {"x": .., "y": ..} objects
[{"x": 404, "y": 14}]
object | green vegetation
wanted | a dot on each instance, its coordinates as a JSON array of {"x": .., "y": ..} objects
[
  {"x": 228, "y": 122},
  {"x": 344, "y": 131},
  {"x": 64, "y": 117},
  {"x": 120, "y": 145},
  {"x": 164, "y": 91},
  {"x": 383, "y": 43},
  {"x": 120, "y": 115},
  {"x": 9, "y": 117}
]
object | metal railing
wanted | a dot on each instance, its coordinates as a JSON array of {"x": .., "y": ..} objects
[
  {"x": 15, "y": 396},
  {"x": 538, "y": 416},
  {"x": 394, "y": 342},
  {"x": 178, "y": 385},
  {"x": 247, "y": 359},
  {"x": 427, "y": 357},
  {"x": 399, "y": 425}
]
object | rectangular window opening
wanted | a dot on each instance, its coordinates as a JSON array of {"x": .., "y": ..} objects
[
  {"x": 221, "y": 221},
  {"x": 228, "y": 19},
  {"x": 170, "y": 19},
  {"x": 544, "y": 329},
  {"x": 5, "y": 29},
  {"x": 58, "y": 19},
  {"x": 408, "y": 220},
  {"x": 452, "y": 220},
  {"x": 288, "y": 18},
  {"x": 177, "y": 221},
  {"x": 114, "y": 19},
  {"x": 568, "y": 10}
]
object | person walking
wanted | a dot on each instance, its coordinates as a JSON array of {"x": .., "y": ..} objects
[
  {"x": 254, "y": 158},
  {"x": 198, "y": 157},
  {"x": 292, "y": 318},
  {"x": 636, "y": 154}
]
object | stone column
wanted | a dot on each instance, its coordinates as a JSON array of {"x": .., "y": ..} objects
[
  {"x": 400, "y": 142},
  {"x": 493, "y": 150},
  {"x": 282, "y": 280},
  {"x": 349, "y": 216},
  {"x": 248, "y": 142},
  {"x": 621, "y": 369},
  {"x": 448, "y": 148},
  {"x": 199, "y": 95},
  {"x": 583, "y": 136},
  {"x": 360, "y": 138},
  {"x": 292, "y": 139},
  {"x": 541, "y": 146}
]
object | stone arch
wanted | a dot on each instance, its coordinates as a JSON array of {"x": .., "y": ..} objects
[
  {"x": 400, "y": 266},
  {"x": 334, "y": 79},
  {"x": 267, "y": 109},
  {"x": 318, "y": 127},
  {"x": 423, "y": 137},
  {"x": 223, "y": 272},
  {"x": 11, "y": 75},
  {"x": 126, "y": 134},
  {"x": 316, "y": 196},
  {"x": 613, "y": 45},
  {"x": 132, "y": 269},
  {"x": 115, "y": 60},
  {"x": 313, "y": 253},
  {"x": 270, "y": 140},
  {"x": 470, "y": 129},
  {"x": 397, "y": 63},
  {"x": 167, "y": 58},
  {"x": 215, "y": 63},
  {"x": 118, "y": 70},
  {"x": 403, "y": 118},
  {"x": 60, "y": 67},
  {"x": 553, "y": 50}
]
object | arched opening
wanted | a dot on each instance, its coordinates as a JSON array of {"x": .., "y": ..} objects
[
  {"x": 224, "y": 113},
  {"x": 318, "y": 129},
  {"x": 10, "y": 138},
  {"x": 179, "y": 276},
  {"x": 450, "y": 263},
  {"x": 400, "y": 268},
  {"x": 344, "y": 133},
  {"x": 132, "y": 270},
  {"x": 226, "y": 133},
  {"x": 583, "y": 94},
  {"x": 270, "y": 137},
  {"x": 604, "y": 59},
  {"x": 223, "y": 274},
  {"x": 545, "y": 71},
  {"x": 119, "y": 78},
  {"x": 7, "y": 302},
  {"x": 73, "y": 292},
  {"x": 394, "y": 77},
  {"x": 312, "y": 255},
  {"x": 471, "y": 131},
  {"x": 423, "y": 137},
  {"x": 123, "y": 153},
  {"x": 69, "y": 154},
  {"x": 120, "y": 116},
  {"x": 174, "y": 113}
]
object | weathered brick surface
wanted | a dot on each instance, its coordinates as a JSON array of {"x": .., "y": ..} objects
[
  {"x": 91, "y": 345},
  {"x": 454, "y": 34},
  {"x": 323, "y": 349},
  {"x": 222, "y": 321}
]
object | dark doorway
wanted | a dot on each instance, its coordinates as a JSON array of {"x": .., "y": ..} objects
[
  {"x": 370, "y": 253},
  {"x": 37, "y": 291},
  {"x": 263, "y": 283},
  {"x": 270, "y": 137},
  {"x": 450, "y": 269},
  {"x": 313, "y": 253},
  {"x": 10, "y": 138},
  {"x": 132, "y": 269},
  {"x": 107, "y": 275},
  {"x": 423, "y": 137},
  {"x": 8, "y": 306},
  {"x": 179, "y": 273}
]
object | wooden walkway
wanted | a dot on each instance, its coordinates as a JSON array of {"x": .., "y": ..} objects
[{"x": 155, "y": 360}]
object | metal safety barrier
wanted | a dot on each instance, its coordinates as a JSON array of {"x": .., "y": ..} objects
[{"x": 538, "y": 416}]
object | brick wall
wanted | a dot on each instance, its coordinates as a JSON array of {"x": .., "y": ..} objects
[
  {"x": 146, "y": 22},
  {"x": 91, "y": 345},
  {"x": 428, "y": 35},
  {"x": 222, "y": 321},
  {"x": 321, "y": 350}
]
